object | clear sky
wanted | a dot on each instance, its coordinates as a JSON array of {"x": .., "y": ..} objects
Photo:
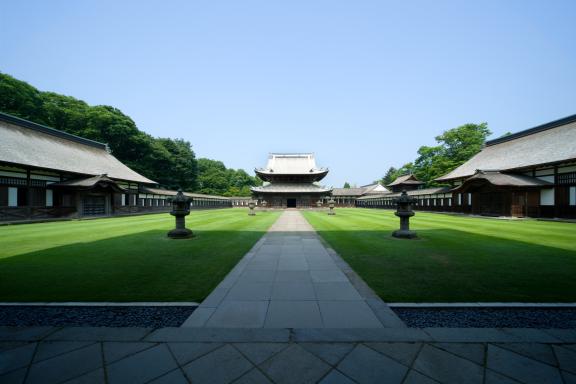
[{"x": 362, "y": 84}]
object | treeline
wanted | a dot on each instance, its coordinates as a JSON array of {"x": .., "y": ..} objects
[
  {"x": 455, "y": 146},
  {"x": 170, "y": 162},
  {"x": 215, "y": 179}
]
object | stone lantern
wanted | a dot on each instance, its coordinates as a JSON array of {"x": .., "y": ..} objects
[
  {"x": 319, "y": 203},
  {"x": 264, "y": 205},
  {"x": 251, "y": 205},
  {"x": 180, "y": 209},
  {"x": 331, "y": 203},
  {"x": 404, "y": 212}
]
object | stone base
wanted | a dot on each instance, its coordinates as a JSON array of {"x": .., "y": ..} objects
[
  {"x": 331, "y": 213},
  {"x": 251, "y": 214},
  {"x": 180, "y": 234},
  {"x": 404, "y": 234}
]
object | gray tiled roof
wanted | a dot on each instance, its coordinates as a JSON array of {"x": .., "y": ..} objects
[
  {"x": 506, "y": 180},
  {"x": 291, "y": 164},
  {"x": 168, "y": 192},
  {"x": 348, "y": 191},
  {"x": 406, "y": 179},
  {"x": 550, "y": 145},
  {"x": 26, "y": 143},
  {"x": 291, "y": 188},
  {"x": 88, "y": 182},
  {"x": 416, "y": 192}
]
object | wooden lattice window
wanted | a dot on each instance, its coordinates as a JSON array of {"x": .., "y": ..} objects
[{"x": 567, "y": 178}]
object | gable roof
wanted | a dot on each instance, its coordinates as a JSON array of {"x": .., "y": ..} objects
[
  {"x": 102, "y": 181},
  {"x": 545, "y": 144},
  {"x": 35, "y": 145},
  {"x": 406, "y": 179},
  {"x": 375, "y": 188},
  {"x": 503, "y": 180},
  {"x": 291, "y": 164}
]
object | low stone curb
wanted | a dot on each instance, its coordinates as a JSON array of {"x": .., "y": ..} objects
[
  {"x": 101, "y": 304},
  {"x": 482, "y": 305},
  {"x": 267, "y": 335}
]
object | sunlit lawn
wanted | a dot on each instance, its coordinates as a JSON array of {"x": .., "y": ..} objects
[
  {"x": 125, "y": 259},
  {"x": 457, "y": 259}
]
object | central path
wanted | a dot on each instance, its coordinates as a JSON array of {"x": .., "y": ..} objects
[{"x": 291, "y": 280}]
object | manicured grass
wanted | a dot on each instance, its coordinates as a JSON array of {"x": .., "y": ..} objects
[
  {"x": 457, "y": 259},
  {"x": 125, "y": 259}
]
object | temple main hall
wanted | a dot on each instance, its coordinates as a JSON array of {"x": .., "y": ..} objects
[{"x": 291, "y": 181}]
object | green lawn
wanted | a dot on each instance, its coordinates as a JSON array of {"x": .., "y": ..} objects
[
  {"x": 125, "y": 259},
  {"x": 457, "y": 259}
]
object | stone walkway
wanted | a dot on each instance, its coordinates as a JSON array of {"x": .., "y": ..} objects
[
  {"x": 291, "y": 280},
  {"x": 203, "y": 355}
]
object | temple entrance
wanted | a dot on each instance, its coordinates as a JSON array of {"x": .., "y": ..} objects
[
  {"x": 291, "y": 203},
  {"x": 94, "y": 205}
]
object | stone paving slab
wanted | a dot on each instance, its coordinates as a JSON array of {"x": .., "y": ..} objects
[
  {"x": 293, "y": 281},
  {"x": 225, "y": 355}
]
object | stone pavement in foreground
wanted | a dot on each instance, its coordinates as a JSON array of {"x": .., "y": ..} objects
[
  {"x": 291, "y": 280},
  {"x": 205, "y": 355}
]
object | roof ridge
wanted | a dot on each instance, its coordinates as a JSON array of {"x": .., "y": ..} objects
[{"x": 533, "y": 130}]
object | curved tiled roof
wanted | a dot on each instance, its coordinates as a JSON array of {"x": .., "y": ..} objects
[
  {"x": 26, "y": 143},
  {"x": 291, "y": 188},
  {"x": 406, "y": 179},
  {"x": 503, "y": 180},
  {"x": 291, "y": 164}
]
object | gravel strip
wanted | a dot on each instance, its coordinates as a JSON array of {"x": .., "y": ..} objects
[
  {"x": 488, "y": 317},
  {"x": 67, "y": 316}
]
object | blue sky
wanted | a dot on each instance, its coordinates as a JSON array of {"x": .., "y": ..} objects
[{"x": 362, "y": 84}]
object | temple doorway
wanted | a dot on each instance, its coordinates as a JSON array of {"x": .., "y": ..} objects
[{"x": 291, "y": 203}]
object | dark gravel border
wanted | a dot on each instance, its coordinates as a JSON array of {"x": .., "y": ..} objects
[
  {"x": 488, "y": 317},
  {"x": 94, "y": 316}
]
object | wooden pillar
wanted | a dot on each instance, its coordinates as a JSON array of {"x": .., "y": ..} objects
[{"x": 557, "y": 196}]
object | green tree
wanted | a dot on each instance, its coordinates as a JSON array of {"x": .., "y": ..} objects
[
  {"x": 346, "y": 185},
  {"x": 389, "y": 176},
  {"x": 456, "y": 146},
  {"x": 150, "y": 156},
  {"x": 215, "y": 178}
]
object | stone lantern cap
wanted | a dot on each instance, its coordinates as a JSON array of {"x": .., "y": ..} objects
[
  {"x": 404, "y": 199},
  {"x": 180, "y": 204}
]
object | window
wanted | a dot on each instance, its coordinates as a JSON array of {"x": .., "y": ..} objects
[
  {"x": 123, "y": 200},
  {"x": 12, "y": 197},
  {"x": 547, "y": 196},
  {"x": 49, "y": 198},
  {"x": 459, "y": 199},
  {"x": 572, "y": 193},
  {"x": 469, "y": 199}
]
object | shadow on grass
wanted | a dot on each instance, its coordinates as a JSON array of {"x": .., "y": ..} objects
[
  {"x": 448, "y": 265},
  {"x": 146, "y": 266}
]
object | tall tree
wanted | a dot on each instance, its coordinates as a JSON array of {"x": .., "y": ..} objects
[
  {"x": 347, "y": 185},
  {"x": 390, "y": 175},
  {"x": 456, "y": 146}
]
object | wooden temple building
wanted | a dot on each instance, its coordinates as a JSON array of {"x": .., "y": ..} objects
[
  {"x": 291, "y": 181},
  {"x": 346, "y": 197},
  {"x": 531, "y": 173},
  {"x": 46, "y": 173}
]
